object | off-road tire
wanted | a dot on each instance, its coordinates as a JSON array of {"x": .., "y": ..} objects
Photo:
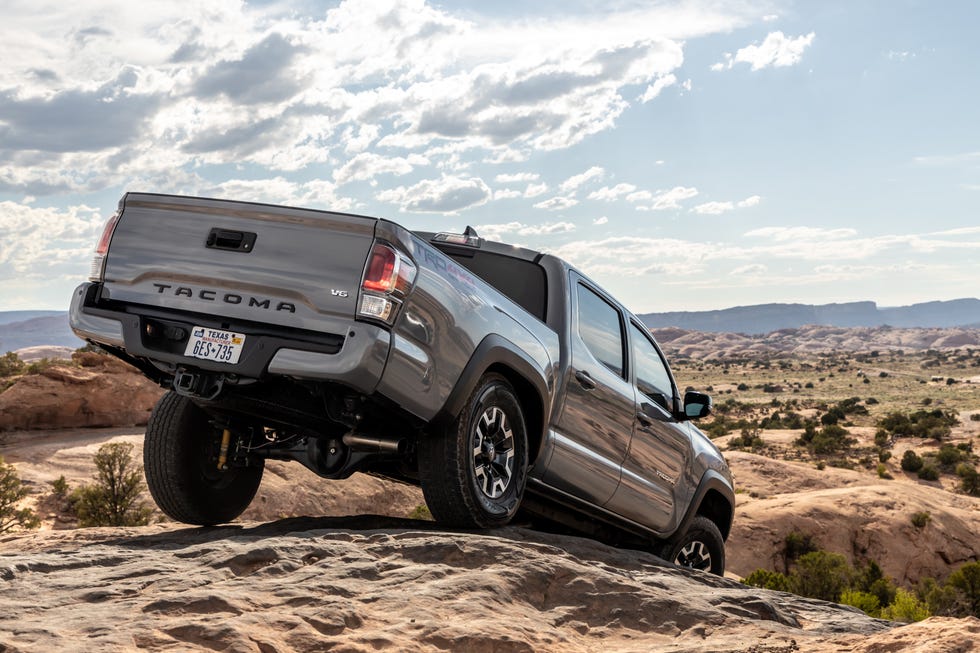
[
  {"x": 179, "y": 459},
  {"x": 473, "y": 472},
  {"x": 700, "y": 547}
]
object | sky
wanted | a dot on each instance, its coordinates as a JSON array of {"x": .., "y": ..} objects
[{"x": 687, "y": 155}]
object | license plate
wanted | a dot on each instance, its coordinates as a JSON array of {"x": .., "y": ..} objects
[{"x": 214, "y": 345}]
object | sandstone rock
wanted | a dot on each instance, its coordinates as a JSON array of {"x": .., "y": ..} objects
[{"x": 104, "y": 391}]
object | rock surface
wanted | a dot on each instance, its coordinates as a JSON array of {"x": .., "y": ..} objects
[
  {"x": 99, "y": 391},
  {"x": 370, "y": 583}
]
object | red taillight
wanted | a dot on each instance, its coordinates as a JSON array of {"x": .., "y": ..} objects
[
  {"x": 382, "y": 270},
  {"x": 110, "y": 226},
  {"x": 387, "y": 279},
  {"x": 98, "y": 260}
]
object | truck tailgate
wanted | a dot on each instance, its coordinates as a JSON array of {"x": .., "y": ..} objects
[{"x": 292, "y": 267}]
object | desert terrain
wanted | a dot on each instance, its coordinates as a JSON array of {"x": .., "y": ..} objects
[{"x": 340, "y": 565}]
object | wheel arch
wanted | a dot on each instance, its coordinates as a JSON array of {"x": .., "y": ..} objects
[
  {"x": 715, "y": 500},
  {"x": 496, "y": 354}
]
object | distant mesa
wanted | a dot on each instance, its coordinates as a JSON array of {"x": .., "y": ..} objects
[
  {"x": 23, "y": 329},
  {"x": 766, "y": 318}
]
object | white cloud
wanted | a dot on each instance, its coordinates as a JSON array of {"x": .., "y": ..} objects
[
  {"x": 751, "y": 269},
  {"x": 446, "y": 195},
  {"x": 713, "y": 208},
  {"x": 41, "y": 242},
  {"x": 653, "y": 90},
  {"x": 575, "y": 181},
  {"x": 670, "y": 199},
  {"x": 801, "y": 234},
  {"x": 776, "y": 50},
  {"x": 609, "y": 194},
  {"x": 501, "y": 231},
  {"x": 368, "y": 165},
  {"x": 557, "y": 203},
  {"x": 506, "y": 193},
  {"x": 533, "y": 190},
  {"x": 518, "y": 177},
  {"x": 600, "y": 220},
  {"x": 717, "y": 208}
]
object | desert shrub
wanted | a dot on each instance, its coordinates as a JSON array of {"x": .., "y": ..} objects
[
  {"x": 911, "y": 461},
  {"x": 12, "y": 491},
  {"x": 929, "y": 472},
  {"x": 970, "y": 479},
  {"x": 747, "y": 439},
  {"x": 821, "y": 575},
  {"x": 882, "y": 439},
  {"x": 948, "y": 456},
  {"x": 975, "y": 417},
  {"x": 966, "y": 579},
  {"x": 114, "y": 498},
  {"x": 60, "y": 486},
  {"x": 10, "y": 364},
  {"x": 788, "y": 420},
  {"x": 921, "y": 519},
  {"x": 39, "y": 366},
  {"x": 832, "y": 438},
  {"x": 942, "y": 600},
  {"x": 935, "y": 424},
  {"x": 906, "y": 607},
  {"x": 883, "y": 471},
  {"x": 867, "y": 603},
  {"x": 770, "y": 580},
  {"x": 421, "y": 512},
  {"x": 797, "y": 544}
]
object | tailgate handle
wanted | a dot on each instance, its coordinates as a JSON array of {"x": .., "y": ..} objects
[{"x": 234, "y": 241}]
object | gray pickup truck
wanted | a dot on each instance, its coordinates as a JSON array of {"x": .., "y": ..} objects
[{"x": 503, "y": 381}]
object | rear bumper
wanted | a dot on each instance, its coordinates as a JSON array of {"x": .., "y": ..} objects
[{"x": 352, "y": 353}]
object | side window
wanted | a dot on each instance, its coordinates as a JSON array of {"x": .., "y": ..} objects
[
  {"x": 652, "y": 377},
  {"x": 600, "y": 329}
]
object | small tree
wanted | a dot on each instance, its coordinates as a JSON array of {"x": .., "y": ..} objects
[
  {"x": 821, "y": 575},
  {"x": 967, "y": 580},
  {"x": 114, "y": 498},
  {"x": 11, "y": 492}
]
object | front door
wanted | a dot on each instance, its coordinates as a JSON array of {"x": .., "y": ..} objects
[{"x": 660, "y": 447}]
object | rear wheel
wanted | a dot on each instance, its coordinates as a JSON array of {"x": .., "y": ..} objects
[
  {"x": 700, "y": 547},
  {"x": 180, "y": 459},
  {"x": 473, "y": 473}
]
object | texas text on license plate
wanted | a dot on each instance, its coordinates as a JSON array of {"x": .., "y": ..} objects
[{"x": 215, "y": 345}]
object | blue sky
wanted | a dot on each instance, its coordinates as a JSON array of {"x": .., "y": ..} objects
[{"x": 687, "y": 155}]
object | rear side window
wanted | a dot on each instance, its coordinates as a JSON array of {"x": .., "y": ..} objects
[
  {"x": 523, "y": 281},
  {"x": 652, "y": 377},
  {"x": 600, "y": 328}
]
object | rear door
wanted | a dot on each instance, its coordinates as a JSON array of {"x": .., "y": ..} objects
[
  {"x": 661, "y": 446},
  {"x": 596, "y": 421}
]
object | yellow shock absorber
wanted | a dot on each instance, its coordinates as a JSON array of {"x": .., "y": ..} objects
[{"x": 223, "y": 454}]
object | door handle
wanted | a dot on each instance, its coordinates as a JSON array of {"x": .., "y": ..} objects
[
  {"x": 644, "y": 419},
  {"x": 585, "y": 380}
]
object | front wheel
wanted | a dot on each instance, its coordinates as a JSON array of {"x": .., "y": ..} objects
[
  {"x": 701, "y": 547},
  {"x": 473, "y": 473},
  {"x": 180, "y": 454}
]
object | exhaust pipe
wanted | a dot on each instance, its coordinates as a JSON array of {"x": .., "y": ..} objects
[{"x": 374, "y": 444}]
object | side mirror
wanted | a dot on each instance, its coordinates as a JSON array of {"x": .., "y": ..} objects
[{"x": 696, "y": 405}]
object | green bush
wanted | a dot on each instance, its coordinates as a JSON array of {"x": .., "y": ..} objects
[
  {"x": 770, "y": 580},
  {"x": 421, "y": 512},
  {"x": 60, "y": 486},
  {"x": 922, "y": 423},
  {"x": 949, "y": 455},
  {"x": 921, "y": 519},
  {"x": 911, "y": 461},
  {"x": 12, "y": 491},
  {"x": 966, "y": 579},
  {"x": 883, "y": 471},
  {"x": 821, "y": 575},
  {"x": 929, "y": 472},
  {"x": 114, "y": 498},
  {"x": 971, "y": 479},
  {"x": 906, "y": 607},
  {"x": 867, "y": 603},
  {"x": 10, "y": 364}
]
